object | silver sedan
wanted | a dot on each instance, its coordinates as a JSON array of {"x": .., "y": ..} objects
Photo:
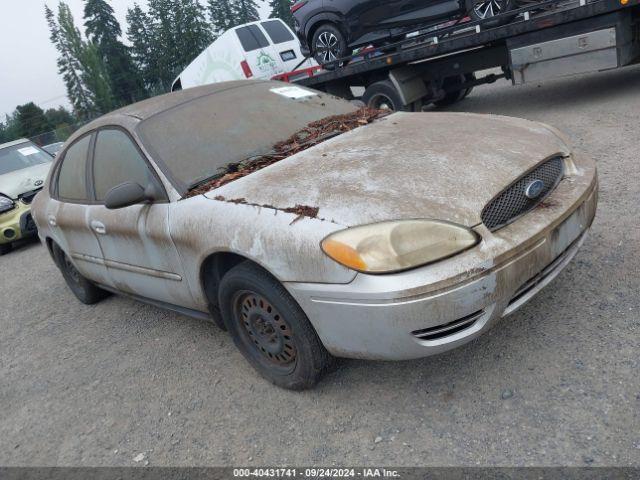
[{"x": 260, "y": 206}]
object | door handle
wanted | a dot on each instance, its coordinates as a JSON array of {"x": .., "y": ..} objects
[
  {"x": 98, "y": 227},
  {"x": 52, "y": 221}
]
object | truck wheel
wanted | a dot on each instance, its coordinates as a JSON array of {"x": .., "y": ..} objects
[
  {"x": 329, "y": 45},
  {"x": 270, "y": 329},
  {"x": 5, "y": 248},
  {"x": 484, "y": 10},
  {"x": 456, "y": 95},
  {"x": 384, "y": 96},
  {"x": 83, "y": 289}
]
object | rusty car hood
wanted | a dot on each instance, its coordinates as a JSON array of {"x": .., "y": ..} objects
[{"x": 445, "y": 166}]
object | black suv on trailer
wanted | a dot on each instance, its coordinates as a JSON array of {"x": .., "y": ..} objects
[{"x": 331, "y": 29}]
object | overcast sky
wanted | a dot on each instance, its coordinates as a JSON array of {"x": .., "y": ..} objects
[{"x": 29, "y": 71}]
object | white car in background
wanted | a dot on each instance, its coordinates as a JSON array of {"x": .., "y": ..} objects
[
  {"x": 23, "y": 169},
  {"x": 257, "y": 50}
]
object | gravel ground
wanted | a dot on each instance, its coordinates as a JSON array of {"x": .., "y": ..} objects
[{"x": 555, "y": 384}]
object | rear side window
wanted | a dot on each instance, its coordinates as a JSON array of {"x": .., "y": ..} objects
[
  {"x": 277, "y": 31},
  {"x": 117, "y": 160},
  {"x": 251, "y": 38},
  {"x": 72, "y": 177}
]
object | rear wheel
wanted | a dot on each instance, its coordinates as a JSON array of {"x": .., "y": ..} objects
[
  {"x": 5, "y": 248},
  {"x": 487, "y": 9},
  {"x": 455, "y": 95},
  {"x": 384, "y": 96},
  {"x": 270, "y": 328},
  {"x": 83, "y": 289},
  {"x": 329, "y": 45}
]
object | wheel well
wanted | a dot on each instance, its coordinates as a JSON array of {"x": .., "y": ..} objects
[
  {"x": 213, "y": 269},
  {"x": 50, "y": 243}
]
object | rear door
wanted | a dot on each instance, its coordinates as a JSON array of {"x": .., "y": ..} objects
[
  {"x": 138, "y": 251},
  {"x": 67, "y": 211},
  {"x": 259, "y": 54},
  {"x": 284, "y": 45}
]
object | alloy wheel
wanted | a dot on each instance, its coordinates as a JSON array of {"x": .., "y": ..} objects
[
  {"x": 327, "y": 47},
  {"x": 489, "y": 8}
]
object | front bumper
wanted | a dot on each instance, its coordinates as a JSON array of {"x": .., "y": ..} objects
[
  {"x": 435, "y": 308},
  {"x": 17, "y": 223}
]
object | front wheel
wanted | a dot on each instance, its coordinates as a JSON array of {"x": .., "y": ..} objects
[
  {"x": 83, "y": 289},
  {"x": 488, "y": 9},
  {"x": 329, "y": 45},
  {"x": 270, "y": 329}
]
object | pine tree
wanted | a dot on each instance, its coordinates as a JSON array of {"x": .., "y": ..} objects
[
  {"x": 96, "y": 79},
  {"x": 162, "y": 14},
  {"x": 167, "y": 38},
  {"x": 66, "y": 39},
  {"x": 245, "y": 11},
  {"x": 193, "y": 32},
  {"x": 103, "y": 29},
  {"x": 221, "y": 13},
  {"x": 80, "y": 64},
  {"x": 139, "y": 35},
  {"x": 281, "y": 9}
]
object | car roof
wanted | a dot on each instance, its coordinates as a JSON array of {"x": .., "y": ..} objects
[
  {"x": 15, "y": 142},
  {"x": 152, "y": 106}
]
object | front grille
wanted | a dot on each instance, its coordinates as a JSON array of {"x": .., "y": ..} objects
[
  {"x": 512, "y": 202},
  {"x": 441, "y": 331}
]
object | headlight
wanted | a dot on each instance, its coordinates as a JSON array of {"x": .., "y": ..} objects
[
  {"x": 393, "y": 246},
  {"x": 6, "y": 204}
]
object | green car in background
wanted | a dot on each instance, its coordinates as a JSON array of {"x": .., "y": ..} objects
[{"x": 23, "y": 170}]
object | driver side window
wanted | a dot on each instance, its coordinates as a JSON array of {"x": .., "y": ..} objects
[{"x": 117, "y": 160}]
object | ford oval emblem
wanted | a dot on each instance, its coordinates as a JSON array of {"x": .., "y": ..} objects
[
  {"x": 534, "y": 189},
  {"x": 37, "y": 183}
]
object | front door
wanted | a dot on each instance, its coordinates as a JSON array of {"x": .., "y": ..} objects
[{"x": 138, "y": 251}]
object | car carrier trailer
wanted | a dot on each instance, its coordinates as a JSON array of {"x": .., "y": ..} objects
[{"x": 543, "y": 40}]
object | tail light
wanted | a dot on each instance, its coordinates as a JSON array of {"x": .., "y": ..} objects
[
  {"x": 246, "y": 69},
  {"x": 297, "y": 6}
]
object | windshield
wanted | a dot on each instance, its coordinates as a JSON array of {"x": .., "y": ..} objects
[
  {"x": 23, "y": 155},
  {"x": 199, "y": 139}
]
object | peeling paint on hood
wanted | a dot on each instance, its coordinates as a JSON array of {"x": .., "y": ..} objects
[{"x": 408, "y": 165}]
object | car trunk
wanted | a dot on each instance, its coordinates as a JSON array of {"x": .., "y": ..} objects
[{"x": 426, "y": 165}]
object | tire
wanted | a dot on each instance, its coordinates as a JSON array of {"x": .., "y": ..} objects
[
  {"x": 5, "y": 248},
  {"x": 83, "y": 289},
  {"x": 383, "y": 95},
  {"x": 501, "y": 6},
  {"x": 270, "y": 329},
  {"x": 329, "y": 44},
  {"x": 456, "y": 95}
]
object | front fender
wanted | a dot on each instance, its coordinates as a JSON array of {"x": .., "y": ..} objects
[
  {"x": 287, "y": 247},
  {"x": 316, "y": 20}
]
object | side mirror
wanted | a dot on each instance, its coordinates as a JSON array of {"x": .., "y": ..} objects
[{"x": 125, "y": 195}]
